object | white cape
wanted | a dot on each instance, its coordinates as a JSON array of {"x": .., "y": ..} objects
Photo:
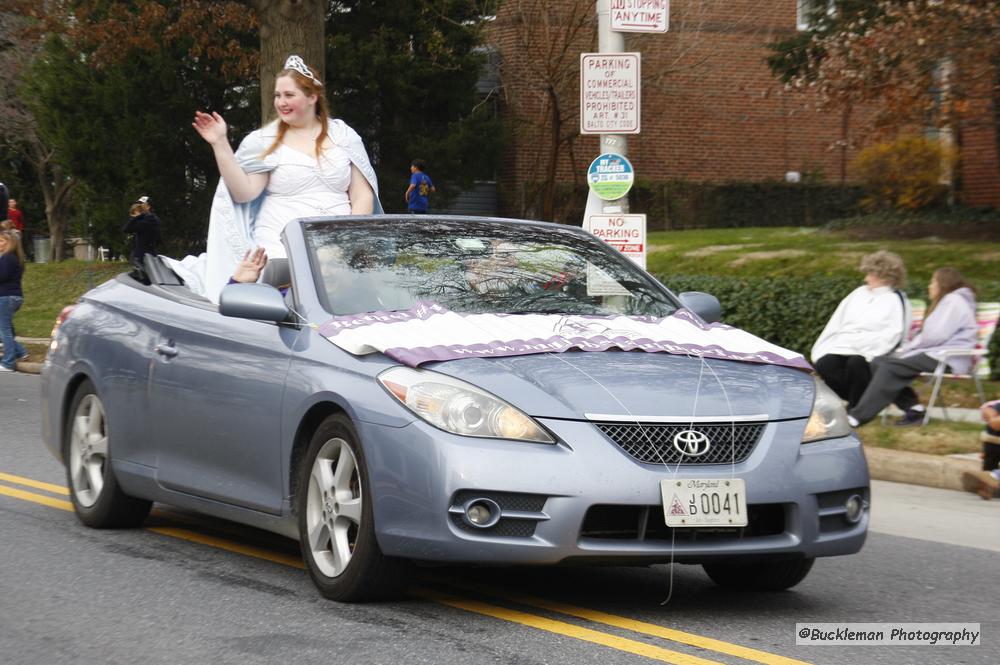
[{"x": 230, "y": 226}]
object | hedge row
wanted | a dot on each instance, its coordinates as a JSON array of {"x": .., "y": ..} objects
[
  {"x": 681, "y": 204},
  {"x": 789, "y": 313}
]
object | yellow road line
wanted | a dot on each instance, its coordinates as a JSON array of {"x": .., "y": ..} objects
[
  {"x": 36, "y": 498},
  {"x": 37, "y": 484},
  {"x": 629, "y": 624},
  {"x": 563, "y": 628},
  {"x": 513, "y": 616},
  {"x": 229, "y": 546}
]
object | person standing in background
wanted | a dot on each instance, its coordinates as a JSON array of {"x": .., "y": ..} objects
[
  {"x": 3, "y": 201},
  {"x": 15, "y": 215},
  {"x": 145, "y": 226},
  {"x": 11, "y": 298},
  {"x": 421, "y": 187}
]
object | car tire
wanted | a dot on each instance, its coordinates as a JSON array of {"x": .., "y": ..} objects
[
  {"x": 98, "y": 500},
  {"x": 775, "y": 576},
  {"x": 336, "y": 527}
]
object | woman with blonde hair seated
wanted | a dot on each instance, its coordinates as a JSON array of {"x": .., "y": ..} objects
[{"x": 871, "y": 321}]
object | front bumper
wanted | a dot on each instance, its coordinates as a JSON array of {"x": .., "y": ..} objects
[{"x": 419, "y": 473}]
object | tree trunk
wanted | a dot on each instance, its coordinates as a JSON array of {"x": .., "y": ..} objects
[
  {"x": 845, "y": 130},
  {"x": 287, "y": 27},
  {"x": 548, "y": 199},
  {"x": 996, "y": 108},
  {"x": 57, "y": 190}
]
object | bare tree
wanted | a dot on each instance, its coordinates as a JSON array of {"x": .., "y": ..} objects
[
  {"x": 541, "y": 71},
  {"x": 19, "y": 132},
  {"x": 541, "y": 42}
]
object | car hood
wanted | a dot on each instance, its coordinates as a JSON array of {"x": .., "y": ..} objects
[{"x": 634, "y": 383}]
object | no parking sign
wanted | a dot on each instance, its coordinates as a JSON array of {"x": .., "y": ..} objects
[{"x": 626, "y": 233}]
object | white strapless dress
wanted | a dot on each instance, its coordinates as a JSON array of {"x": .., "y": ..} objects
[{"x": 301, "y": 186}]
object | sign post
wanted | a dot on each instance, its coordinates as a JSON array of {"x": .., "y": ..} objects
[{"x": 608, "y": 43}]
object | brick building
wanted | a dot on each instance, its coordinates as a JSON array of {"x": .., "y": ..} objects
[{"x": 711, "y": 110}]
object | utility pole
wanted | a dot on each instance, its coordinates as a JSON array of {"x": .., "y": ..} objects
[{"x": 608, "y": 41}]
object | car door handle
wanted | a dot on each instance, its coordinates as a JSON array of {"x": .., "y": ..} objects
[{"x": 166, "y": 350}]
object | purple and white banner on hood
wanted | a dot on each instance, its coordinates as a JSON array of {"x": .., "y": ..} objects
[{"x": 429, "y": 332}]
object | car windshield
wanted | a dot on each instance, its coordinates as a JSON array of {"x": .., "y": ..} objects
[{"x": 475, "y": 266}]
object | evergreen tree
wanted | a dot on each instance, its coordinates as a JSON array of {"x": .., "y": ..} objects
[{"x": 404, "y": 75}]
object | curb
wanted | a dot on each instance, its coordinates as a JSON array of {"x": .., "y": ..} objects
[
  {"x": 901, "y": 466},
  {"x": 28, "y": 367}
]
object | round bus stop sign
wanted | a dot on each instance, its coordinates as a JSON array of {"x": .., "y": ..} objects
[{"x": 610, "y": 176}]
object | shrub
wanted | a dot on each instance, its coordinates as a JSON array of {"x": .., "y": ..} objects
[
  {"x": 904, "y": 174},
  {"x": 789, "y": 313},
  {"x": 683, "y": 204}
]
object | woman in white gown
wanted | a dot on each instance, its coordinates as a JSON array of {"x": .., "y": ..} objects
[{"x": 303, "y": 164}]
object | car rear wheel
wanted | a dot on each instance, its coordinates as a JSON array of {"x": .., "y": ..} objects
[
  {"x": 336, "y": 529},
  {"x": 97, "y": 499},
  {"x": 774, "y": 576}
]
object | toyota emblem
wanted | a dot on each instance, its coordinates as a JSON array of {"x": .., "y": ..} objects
[{"x": 691, "y": 442}]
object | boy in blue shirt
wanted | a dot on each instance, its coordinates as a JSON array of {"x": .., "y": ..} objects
[{"x": 420, "y": 188}]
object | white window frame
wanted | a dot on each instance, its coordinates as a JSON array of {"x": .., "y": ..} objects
[{"x": 804, "y": 8}]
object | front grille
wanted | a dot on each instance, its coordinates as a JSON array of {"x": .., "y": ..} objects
[
  {"x": 529, "y": 503},
  {"x": 506, "y": 527},
  {"x": 646, "y": 523},
  {"x": 653, "y": 443}
]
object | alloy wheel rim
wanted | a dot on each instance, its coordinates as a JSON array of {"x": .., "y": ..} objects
[
  {"x": 88, "y": 451},
  {"x": 333, "y": 507}
]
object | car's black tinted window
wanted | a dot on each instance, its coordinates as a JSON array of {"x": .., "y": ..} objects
[{"x": 471, "y": 266}]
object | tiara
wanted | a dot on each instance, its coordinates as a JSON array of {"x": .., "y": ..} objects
[{"x": 295, "y": 62}]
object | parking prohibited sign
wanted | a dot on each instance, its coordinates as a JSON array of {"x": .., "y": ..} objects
[
  {"x": 626, "y": 233},
  {"x": 609, "y": 93},
  {"x": 640, "y": 15}
]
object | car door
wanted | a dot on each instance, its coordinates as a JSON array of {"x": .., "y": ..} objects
[{"x": 217, "y": 386}]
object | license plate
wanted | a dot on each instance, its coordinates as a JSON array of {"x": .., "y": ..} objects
[{"x": 704, "y": 502}]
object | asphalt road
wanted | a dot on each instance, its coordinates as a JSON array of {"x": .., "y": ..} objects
[{"x": 191, "y": 590}]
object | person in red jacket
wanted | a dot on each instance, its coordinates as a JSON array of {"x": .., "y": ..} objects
[{"x": 15, "y": 215}]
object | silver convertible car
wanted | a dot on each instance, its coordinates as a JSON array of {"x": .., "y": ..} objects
[{"x": 412, "y": 390}]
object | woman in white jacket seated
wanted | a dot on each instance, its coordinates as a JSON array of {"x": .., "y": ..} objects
[
  {"x": 871, "y": 321},
  {"x": 950, "y": 324}
]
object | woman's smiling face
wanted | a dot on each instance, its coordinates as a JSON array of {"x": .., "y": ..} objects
[{"x": 293, "y": 105}]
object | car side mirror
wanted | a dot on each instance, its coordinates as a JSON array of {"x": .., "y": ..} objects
[
  {"x": 259, "y": 302},
  {"x": 704, "y": 305}
]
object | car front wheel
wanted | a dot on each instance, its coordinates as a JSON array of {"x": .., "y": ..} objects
[
  {"x": 775, "y": 576},
  {"x": 97, "y": 499},
  {"x": 336, "y": 529}
]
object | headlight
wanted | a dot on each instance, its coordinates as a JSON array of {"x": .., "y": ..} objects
[
  {"x": 828, "y": 419},
  {"x": 458, "y": 407}
]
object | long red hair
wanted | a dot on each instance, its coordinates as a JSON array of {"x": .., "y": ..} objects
[{"x": 308, "y": 87}]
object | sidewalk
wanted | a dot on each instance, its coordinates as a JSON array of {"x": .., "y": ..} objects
[{"x": 930, "y": 514}]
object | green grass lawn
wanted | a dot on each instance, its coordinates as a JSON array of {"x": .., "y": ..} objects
[
  {"x": 937, "y": 437},
  {"x": 797, "y": 252},
  {"x": 48, "y": 287}
]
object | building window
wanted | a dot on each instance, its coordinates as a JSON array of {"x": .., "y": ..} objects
[{"x": 807, "y": 11}]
